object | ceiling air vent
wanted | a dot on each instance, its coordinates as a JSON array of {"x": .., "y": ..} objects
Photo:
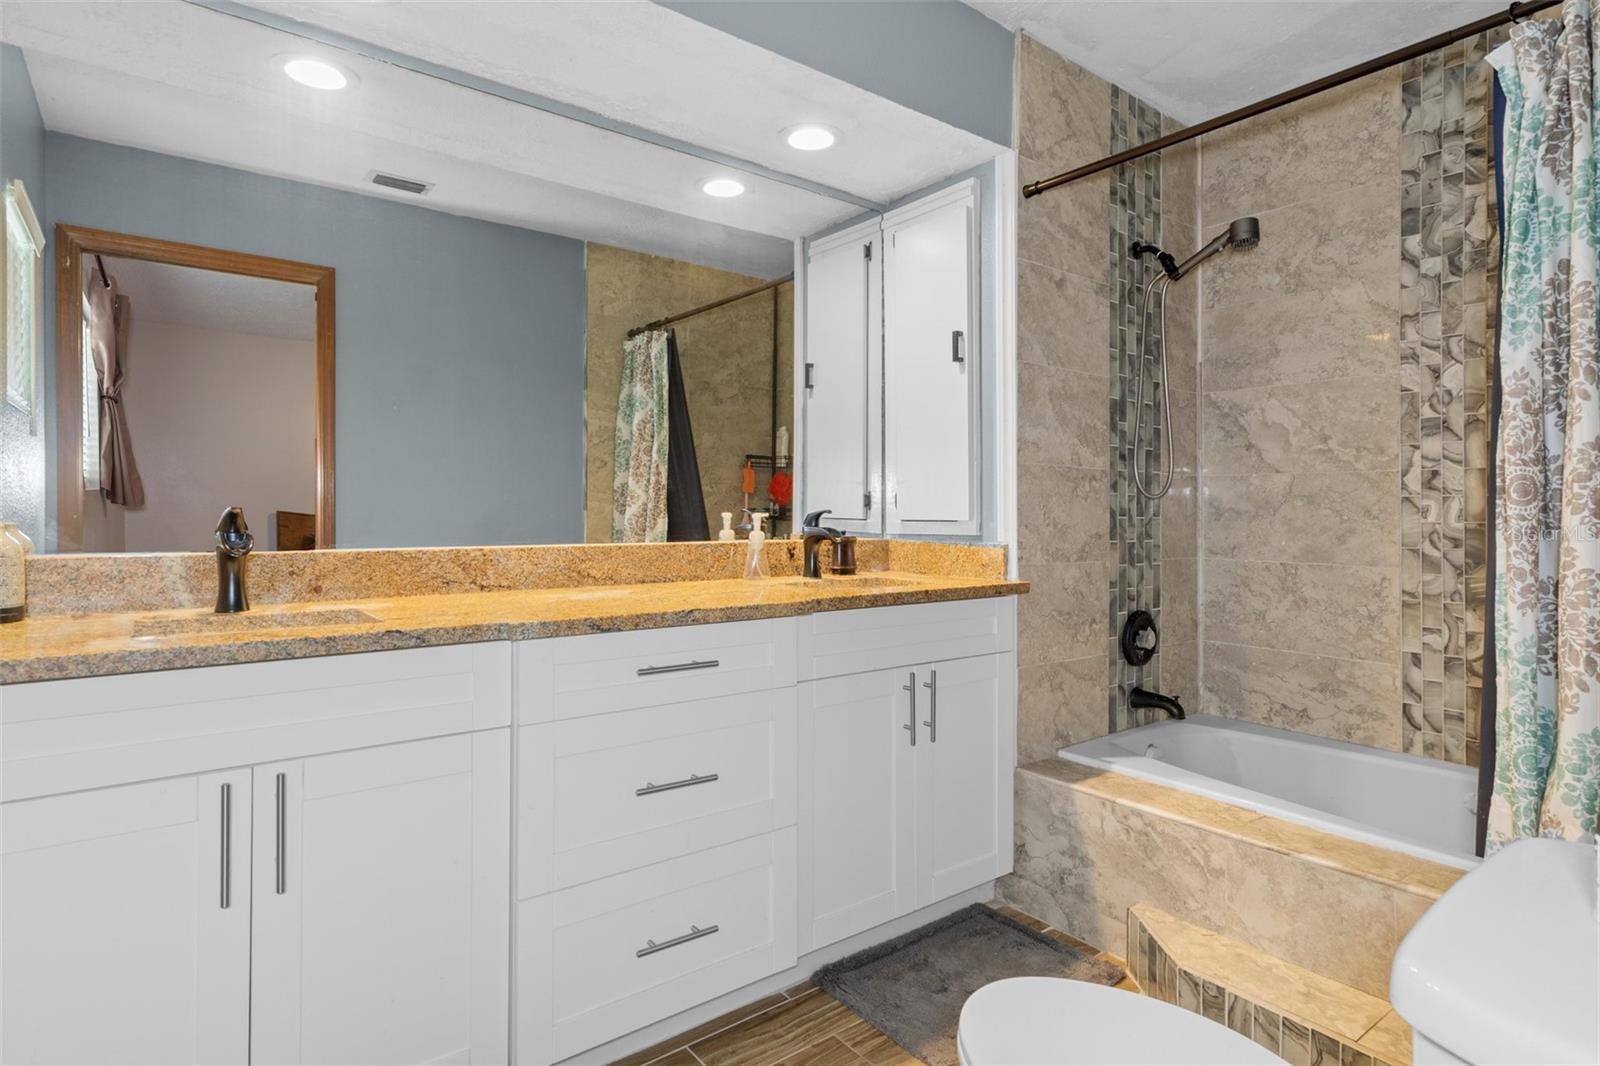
[{"x": 394, "y": 181}]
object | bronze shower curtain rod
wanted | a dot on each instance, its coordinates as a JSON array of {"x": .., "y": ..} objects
[
  {"x": 712, "y": 306},
  {"x": 1514, "y": 13}
]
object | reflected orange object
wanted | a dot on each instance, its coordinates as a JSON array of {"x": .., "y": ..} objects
[
  {"x": 781, "y": 488},
  {"x": 749, "y": 477}
]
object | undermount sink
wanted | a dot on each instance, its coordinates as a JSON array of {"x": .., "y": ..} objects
[{"x": 200, "y": 624}]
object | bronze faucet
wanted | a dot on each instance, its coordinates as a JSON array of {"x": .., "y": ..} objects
[{"x": 234, "y": 542}]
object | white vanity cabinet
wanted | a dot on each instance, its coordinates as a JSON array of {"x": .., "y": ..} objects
[
  {"x": 907, "y": 741},
  {"x": 337, "y": 894}
]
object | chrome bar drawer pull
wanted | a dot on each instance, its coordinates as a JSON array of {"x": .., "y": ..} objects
[
  {"x": 694, "y": 933},
  {"x": 911, "y": 726},
  {"x": 651, "y": 788},
  {"x": 932, "y": 685},
  {"x": 678, "y": 668},
  {"x": 227, "y": 846},
  {"x": 281, "y": 845}
]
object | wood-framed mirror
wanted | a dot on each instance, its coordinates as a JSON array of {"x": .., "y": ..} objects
[{"x": 262, "y": 327}]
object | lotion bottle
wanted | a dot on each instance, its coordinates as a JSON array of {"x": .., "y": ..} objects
[
  {"x": 755, "y": 559},
  {"x": 727, "y": 533}
]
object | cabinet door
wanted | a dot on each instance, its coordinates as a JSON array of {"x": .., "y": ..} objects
[
  {"x": 125, "y": 924},
  {"x": 932, "y": 362},
  {"x": 842, "y": 380},
  {"x": 964, "y": 795},
  {"x": 857, "y": 804},
  {"x": 382, "y": 908}
]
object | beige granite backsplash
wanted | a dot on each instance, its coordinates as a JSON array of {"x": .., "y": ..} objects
[{"x": 72, "y": 584}]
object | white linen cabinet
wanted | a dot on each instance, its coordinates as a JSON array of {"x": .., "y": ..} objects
[
  {"x": 337, "y": 894},
  {"x": 892, "y": 384}
]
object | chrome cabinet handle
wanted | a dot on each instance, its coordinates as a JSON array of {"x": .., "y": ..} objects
[
  {"x": 678, "y": 668},
  {"x": 227, "y": 846},
  {"x": 651, "y": 788},
  {"x": 694, "y": 933},
  {"x": 932, "y": 685},
  {"x": 281, "y": 845},
  {"x": 956, "y": 339},
  {"x": 911, "y": 726}
]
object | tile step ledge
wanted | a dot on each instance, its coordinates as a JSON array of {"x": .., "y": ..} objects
[{"x": 1296, "y": 1014}]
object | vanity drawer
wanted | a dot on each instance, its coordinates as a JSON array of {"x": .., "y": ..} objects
[
  {"x": 570, "y": 677},
  {"x": 614, "y": 792},
  {"x": 94, "y": 732},
  {"x": 834, "y": 643},
  {"x": 606, "y": 958}
]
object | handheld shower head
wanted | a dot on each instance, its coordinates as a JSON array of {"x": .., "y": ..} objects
[{"x": 1242, "y": 233}]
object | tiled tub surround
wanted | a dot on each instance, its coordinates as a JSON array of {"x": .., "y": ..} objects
[
  {"x": 1091, "y": 844},
  {"x": 1291, "y": 1012},
  {"x": 1389, "y": 799},
  {"x": 378, "y": 604}
]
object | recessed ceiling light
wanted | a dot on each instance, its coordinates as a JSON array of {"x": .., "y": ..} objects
[
  {"x": 722, "y": 187},
  {"x": 316, "y": 73},
  {"x": 810, "y": 138}
]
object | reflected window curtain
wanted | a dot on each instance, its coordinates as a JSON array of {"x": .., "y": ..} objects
[
  {"x": 639, "y": 460},
  {"x": 686, "y": 499},
  {"x": 1547, "y": 464},
  {"x": 109, "y": 326}
]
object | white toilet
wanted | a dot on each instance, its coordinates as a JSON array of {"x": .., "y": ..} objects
[
  {"x": 1505, "y": 968},
  {"x": 1032, "y": 1021}
]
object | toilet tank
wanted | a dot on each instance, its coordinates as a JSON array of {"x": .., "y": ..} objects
[{"x": 1505, "y": 968}]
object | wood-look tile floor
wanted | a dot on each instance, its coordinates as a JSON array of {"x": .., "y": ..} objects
[{"x": 805, "y": 1026}]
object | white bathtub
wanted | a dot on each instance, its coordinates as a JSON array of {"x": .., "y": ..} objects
[{"x": 1423, "y": 807}]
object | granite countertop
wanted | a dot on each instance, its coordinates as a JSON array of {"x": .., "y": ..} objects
[{"x": 54, "y": 646}]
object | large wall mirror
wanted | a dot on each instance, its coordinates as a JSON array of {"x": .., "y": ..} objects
[{"x": 314, "y": 270}]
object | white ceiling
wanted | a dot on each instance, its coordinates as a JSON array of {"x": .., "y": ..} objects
[
  {"x": 1193, "y": 59},
  {"x": 181, "y": 79},
  {"x": 210, "y": 299}
]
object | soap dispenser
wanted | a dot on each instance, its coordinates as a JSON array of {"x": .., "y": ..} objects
[
  {"x": 755, "y": 559},
  {"x": 727, "y": 532}
]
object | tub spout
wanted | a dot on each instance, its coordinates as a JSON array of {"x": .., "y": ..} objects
[{"x": 1144, "y": 699}]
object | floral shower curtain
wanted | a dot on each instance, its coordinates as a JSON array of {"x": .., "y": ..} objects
[
  {"x": 1547, "y": 509},
  {"x": 639, "y": 460}
]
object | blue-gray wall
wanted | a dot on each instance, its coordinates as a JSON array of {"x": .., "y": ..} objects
[
  {"x": 22, "y": 437},
  {"x": 459, "y": 347},
  {"x": 939, "y": 57}
]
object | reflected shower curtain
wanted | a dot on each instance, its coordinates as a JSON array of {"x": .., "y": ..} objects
[
  {"x": 686, "y": 499},
  {"x": 1547, "y": 469},
  {"x": 639, "y": 459}
]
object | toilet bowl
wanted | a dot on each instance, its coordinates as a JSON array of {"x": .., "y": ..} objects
[{"x": 1031, "y": 1021}]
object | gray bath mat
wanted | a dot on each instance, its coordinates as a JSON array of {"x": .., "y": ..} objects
[{"x": 912, "y": 987}]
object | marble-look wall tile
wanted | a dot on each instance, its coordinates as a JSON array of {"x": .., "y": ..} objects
[
  {"x": 1180, "y": 671},
  {"x": 1327, "y": 515},
  {"x": 1180, "y": 530},
  {"x": 1061, "y": 419},
  {"x": 1346, "y": 611},
  {"x": 1063, "y": 516},
  {"x": 1062, "y": 320},
  {"x": 1061, "y": 109},
  {"x": 1287, "y": 428},
  {"x": 1317, "y": 299},
  {"x": 1060, "y": 703},
  {"x": 1342, "y": 699},
  {"x": 1065, "y": 229},
  {"x": 1306, "y": 152},
  {"x": 1063, "y": 616}
]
